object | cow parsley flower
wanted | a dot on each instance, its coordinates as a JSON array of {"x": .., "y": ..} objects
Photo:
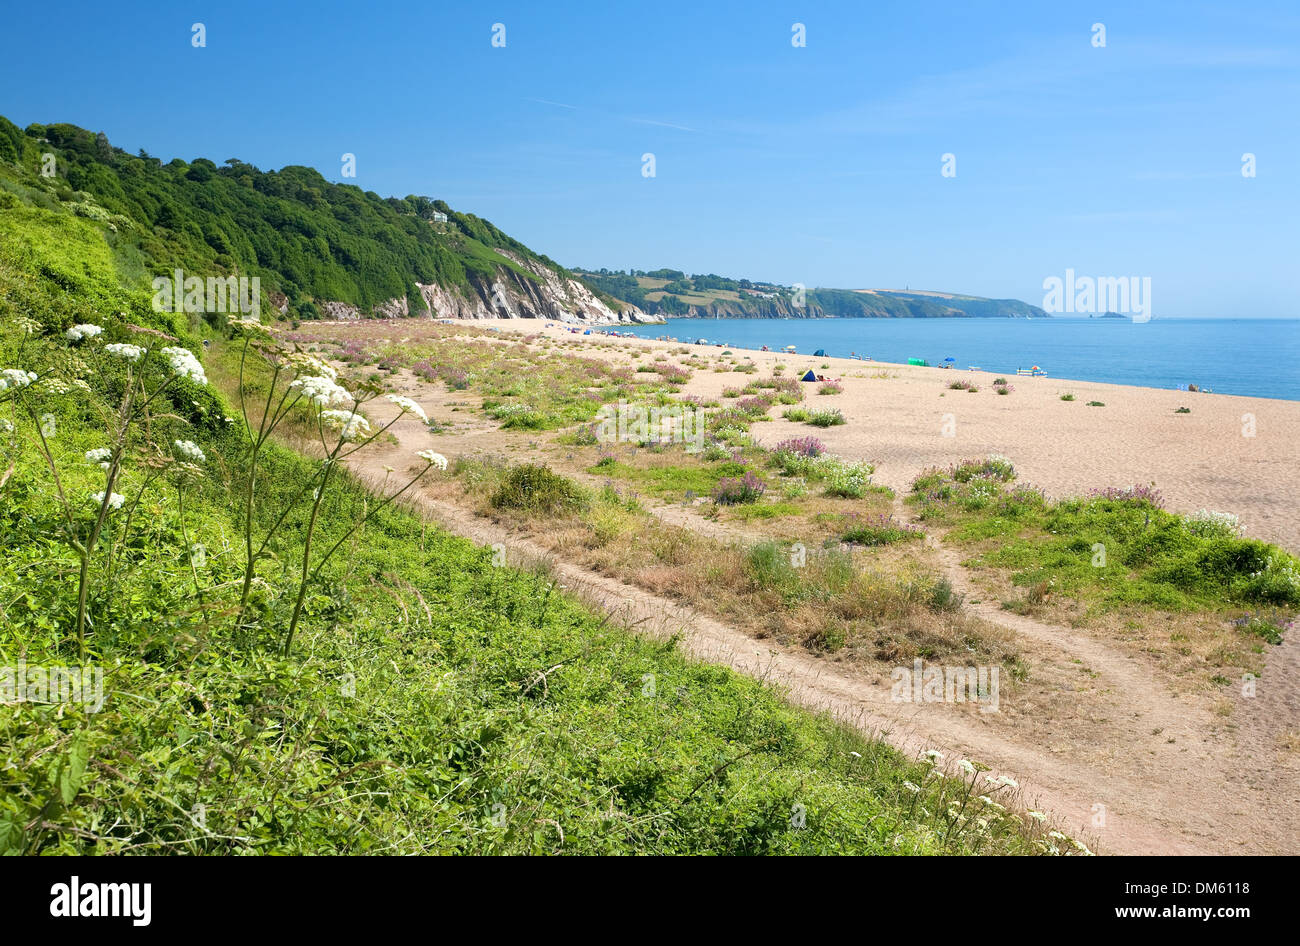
[
  {"x": 189, "y": 450},
  {"x": 16, "y": 378},
  {"x": 321, "y": 390},
  {"x": 349, "y": 424},
  {"x": 131, "y": 353},
  {"x": 408, "y": 406},
  {"x": 115, "y": 500},
  {"x": 6, "y": 427},
  {"x": 966, "y": 766},
  {"x": 84, "y": 330},
  {"x": 305, "y": 364},
  {"x": 436, "y": 459},
  {"x": 184, "y": 364},
  {"x": 100, "y": 455}
]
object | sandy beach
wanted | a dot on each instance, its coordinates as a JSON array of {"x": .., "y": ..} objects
[{"x": 1230, "y": 454}]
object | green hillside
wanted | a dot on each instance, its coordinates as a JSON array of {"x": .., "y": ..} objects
[
  {"x": 668, "y": 292},
  {"x": 308, "y": 240}
]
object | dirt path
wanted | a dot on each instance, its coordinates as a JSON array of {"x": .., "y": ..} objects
[{"x": 1167, "y": 776}]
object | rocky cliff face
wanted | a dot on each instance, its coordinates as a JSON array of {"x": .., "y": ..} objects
[{"x": 552, "y": 295}]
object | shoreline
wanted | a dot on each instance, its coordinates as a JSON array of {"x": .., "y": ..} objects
[{"x": 1233, "y": 453}]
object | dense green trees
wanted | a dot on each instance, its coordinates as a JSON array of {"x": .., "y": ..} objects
[{"x": 303, "y": 235}]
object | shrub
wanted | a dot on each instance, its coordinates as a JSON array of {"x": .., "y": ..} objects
[
  {"x": 846, "y": 480},
  {"x": 1003, "y": 388},
  {"x": 1183, "y": 410},
  {"x": 532, "y": 487},
  {"x": 754, "y": 406},
  {"x": 797, "y": 414},
  {"x": 1096, "y": 404},
  {"x": 992, "y": 467},
  {"x": 999, "y": 380},
  {"x": 1132, "y": 495},
  {"x": 1067, "y": 397},
  {"x": 830, "y": 418},
  {"x": 801, "y": 446},
  {"x": 830, "y": 387},
  {"x": 731, "y": 491},
  {"x": 962, "y": 386}
]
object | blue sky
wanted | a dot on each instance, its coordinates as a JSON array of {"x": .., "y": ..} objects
[{"x": 818, "y": 165}]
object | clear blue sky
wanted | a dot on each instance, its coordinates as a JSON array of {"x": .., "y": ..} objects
[{"x": 818, "y": 165}]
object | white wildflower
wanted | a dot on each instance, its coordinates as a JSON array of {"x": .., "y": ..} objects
[
  {"x": 408, "y": 406},
  {"x": 310, "y": 365},
  {"x": 6, "y": 427},
  {"x": 912, "y": 787},
  {"x": 84, "y": 330},
  {"x": 966, "y": 766},
  {"x": 115, "y": 500},
  {"x": 349, "y": 424},
  {"x": 30, "y": 326},
  {"x": 131, "y": 353},
  {"x": 932, "y": 755},
  {"x": 100, "y": 455},
  {"x": 184, "y": 364},
  {"x": 321, "y": 390},
  {"x": 1036, "y": 815},
  {"x": 437, "y": 459},
  {"x": 189, "y": 450},
  {"x": 16, "y": 378},
  {"x": 56, "y": 385}
]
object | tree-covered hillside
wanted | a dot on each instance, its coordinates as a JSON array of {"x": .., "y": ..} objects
[
  {"x": 309, "y": 240},
  {"x": 670, "y": 292}
]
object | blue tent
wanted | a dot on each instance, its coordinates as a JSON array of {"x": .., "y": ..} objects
[
  {"x": 820, "y": 353},
  {"x": 809, "y": 376}
]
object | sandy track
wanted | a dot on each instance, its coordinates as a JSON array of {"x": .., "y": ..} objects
[{"x": 1170, "y": 779}]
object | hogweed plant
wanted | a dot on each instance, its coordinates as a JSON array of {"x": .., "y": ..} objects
[
  {"x": 149, "y": 374},
  {"x": 299, "y": 380}
]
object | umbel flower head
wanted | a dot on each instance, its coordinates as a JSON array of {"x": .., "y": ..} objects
[
  {"x": 321, "y": 390},
  {"x": 436, "y": 459},
  {"x": 408, "y": 406},
  {"x": 100, "y": 455},
  {"x": 131, "y": 353},
  {"x": 349, "y": 424},
  {"x": 189, "y": 450},
  {"x": 16, "y": 378},
  {"x": 305, "y": 364},
  {"x": 184, "y": 364},
  {"x": 115, "y": 500},
  {"x": 84, "y": 330}
]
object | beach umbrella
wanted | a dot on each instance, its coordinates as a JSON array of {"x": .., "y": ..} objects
[{"x": 950, "y": 358}]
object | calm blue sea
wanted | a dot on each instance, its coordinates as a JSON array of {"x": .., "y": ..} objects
[{"x": 1257, "y": 357}]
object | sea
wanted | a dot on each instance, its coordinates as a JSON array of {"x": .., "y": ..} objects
[{"x": 1254, "y": 357}]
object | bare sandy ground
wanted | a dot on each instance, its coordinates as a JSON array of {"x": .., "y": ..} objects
[{"x": 1230, "y": 454}]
